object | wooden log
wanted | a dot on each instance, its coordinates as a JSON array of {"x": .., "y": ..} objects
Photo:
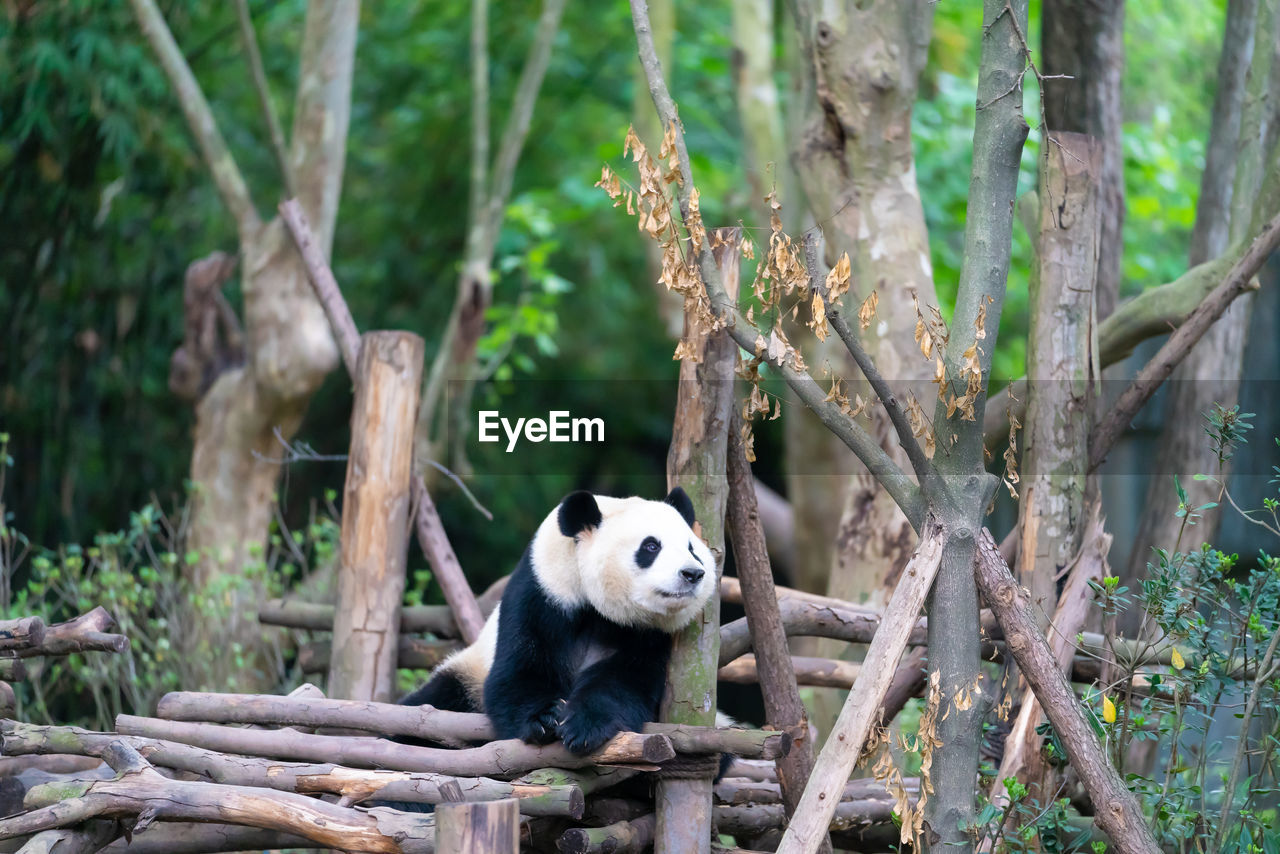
[
  {"x": 696, "y": 462},
  {"x": 85, "y": 839},
  {"x": 774, "y": 664},
  {"x": 862, "y": 707},
  {"x": 809, "y": 619},
  {"x": 752, "y": 769},
  {"x": 85, "y": 633},
  {"x": 318, "y": 617},
  {"x": 354, "y": 785},
  {"x": 874, "y": 810},
  {"x": 818, "y": 672},
  {"x": 492, "y": 827},
  {"x": 375, "y": 516},
  {"x": 426, "y": 722},
  {"x": 509, "y": 757},
  {"x": 738, "y": 792},
  {"x": 1118, "y": 811},
  {"x": 411, "y": 654},
  {"x": 426, "y": 520},
  {"x": 179, "y": 837},
  {"x": 8, "y": 701},
  {"x": 142, "y": 792},
  {"x": 12, "y": 670},
  {"x": 623, "y": 837},
  {"x": 24, "y": 631}
]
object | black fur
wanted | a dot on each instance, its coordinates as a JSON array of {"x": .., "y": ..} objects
[
  {"x": 680, "y": 500},
  {"x": 537, "y": 690},
  {"x": 578, "y": 512}
]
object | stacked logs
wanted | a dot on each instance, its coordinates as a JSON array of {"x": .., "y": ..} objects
[
  {"x": 235, "y": 771},
  {"x": 29, "y": 637}
]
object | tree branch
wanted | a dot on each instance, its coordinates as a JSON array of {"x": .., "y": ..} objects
[
  {"x": 1144, "y": 385},
  {"x": 213, "y": 148},
  {"x": 254, "y": 57},
  {"x": 896, "y": 482},
  {"x": 1118, "y": 812}
]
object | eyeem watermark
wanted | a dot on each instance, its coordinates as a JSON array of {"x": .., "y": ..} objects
[{"x": 557, "y": 427}]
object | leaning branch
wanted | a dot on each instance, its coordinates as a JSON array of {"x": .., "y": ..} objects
[
  {"x": 430, "y": 530},
  {"x": 1118, "y": 812},
  {"x": 1156, "y": 371},
  {"x": 895, "y": 481},
  {"x": 226, "y": 175}
]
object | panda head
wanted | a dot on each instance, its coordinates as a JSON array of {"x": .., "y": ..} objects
[{"x": 638, "y": 562}]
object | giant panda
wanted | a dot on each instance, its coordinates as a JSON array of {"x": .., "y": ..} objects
[{"x": 578, "y": 648}]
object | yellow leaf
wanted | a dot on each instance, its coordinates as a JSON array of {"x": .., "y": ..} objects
[
  {"x": 868, "y": 309},
  {"x": 1178, "y": 661},
  {"x": 1108, "y": 710},
  {"x": 838, "y": 278}
]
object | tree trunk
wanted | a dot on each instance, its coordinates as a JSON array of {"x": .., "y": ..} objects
[
  {"x": 1059, "y": 366},
  {"x": 696, "y": 462},
  {"x": 1211, "y": 372},
  {"x": 375, "y": 517},
  {"x": 288, "y": 346},
  {"x": 1084, "y": 39},
  {"x": 861, "y": 65}
]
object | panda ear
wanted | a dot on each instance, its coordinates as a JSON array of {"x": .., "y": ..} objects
[
  {"x": 680, "y": 500},
  {"x": 579, "y": 512}
]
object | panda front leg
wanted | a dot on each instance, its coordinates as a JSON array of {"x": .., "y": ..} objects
[
  {"x": 524, "y": 700},
  {"x": 618, "y": 694}
]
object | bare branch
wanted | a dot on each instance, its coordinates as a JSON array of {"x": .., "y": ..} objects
[
  {"x": 1156, "y": 371},
  {"x": 226, "y": 175},
  {"x": 254, "y": 57}
]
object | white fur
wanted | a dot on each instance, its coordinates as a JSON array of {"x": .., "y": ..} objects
[
  {"x": 471, "y": 665},
  {"x": 599, "y": 565}
]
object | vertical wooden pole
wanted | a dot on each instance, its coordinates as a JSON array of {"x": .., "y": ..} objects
[
  {"x": 696, "y": 461},
  {"x": 481, "y": 827},
  {"x": 375, "y": 517}
]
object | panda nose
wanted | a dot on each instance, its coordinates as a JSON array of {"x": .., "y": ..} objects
[{"x": 692, "y": 574}]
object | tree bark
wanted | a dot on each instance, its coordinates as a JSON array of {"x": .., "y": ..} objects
[
  {"x": 375, "y": 517},
  {"x": 861, "y": 65},
  {"x": 1084, "y": 40},
  {"x": 1060, "y": 364},
  {"x": 289, "y": 350},
  {"x": 1211, "y": 373},
  {"x": 478, "y": 828},
  {"x": 696, "y": 461}
]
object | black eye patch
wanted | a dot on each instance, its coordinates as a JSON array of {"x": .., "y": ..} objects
[
  {"x": 648, "y": 552},
  {"x": 695, "y": 554}
]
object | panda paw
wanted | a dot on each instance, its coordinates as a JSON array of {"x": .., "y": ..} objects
[
  {"x": 586, "y": 730},
  {"x": 543, "y": 727}
]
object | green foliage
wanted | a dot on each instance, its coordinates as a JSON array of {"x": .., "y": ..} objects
[{"x": 140, "y": 575}]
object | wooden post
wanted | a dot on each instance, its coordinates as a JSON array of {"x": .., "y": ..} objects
[
  {"x": 696, "y": 461},
  {"x": 483, "y": 827},
  {"x": 1059, "y": 366},
  {"x": 375, "y": 517}
]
